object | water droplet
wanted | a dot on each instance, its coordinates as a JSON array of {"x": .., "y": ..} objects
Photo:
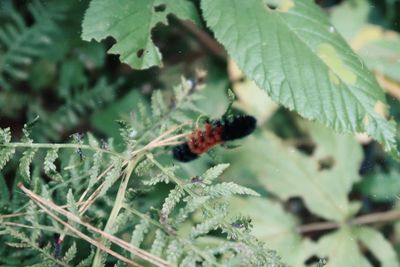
[{"x": 332, "y": 29}]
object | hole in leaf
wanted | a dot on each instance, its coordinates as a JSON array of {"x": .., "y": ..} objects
[
  {"x": 272, "y": 7},
  {"x": 140, "y": 53},
  {"x": 160, "y": 8},
  {"x": 326, "y": 163},
  {"x": 315, "y": 261},
  {"x": 306, "y": 147}
]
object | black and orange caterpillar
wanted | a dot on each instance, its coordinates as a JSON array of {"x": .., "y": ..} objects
[{"x": 214, "y": 133}]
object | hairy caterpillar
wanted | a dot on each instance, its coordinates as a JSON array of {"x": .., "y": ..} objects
[{"x": 214, "y": 133}]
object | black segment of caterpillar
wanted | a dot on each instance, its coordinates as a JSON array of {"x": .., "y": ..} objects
[{"x": 214, "y": 133}]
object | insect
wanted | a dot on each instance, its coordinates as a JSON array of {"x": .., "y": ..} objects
[{"x": 214, "y": 133}]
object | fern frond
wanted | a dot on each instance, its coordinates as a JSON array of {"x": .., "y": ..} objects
[
  {"x": 18, "y": 245},
  {"x": 43, "y": 264},
  {"x": 141, "y": 229},
  {"x": 143, "y": 167},
  {"x": 22, "y": 43},
  {"x": 70, "y": 254},
  {"x": 95, "y": 169},
  {"x": 113, "y": 175},
  {"x": 25, "y": 162},
  {"x": 158, "y": 105},
  {"x": 32, "y": 216},
  {"x": 72, "y": 207},
  {"x": 193, "y": 203},
  {"x": 174, "y": 251},
  {"x": 171, "y": 201},
  {"x": 159, "y": 178},
  {"x": 6, "y": 154},
  {"x": 144, "y": 115},
  {"x": 208, "y": 225},
  {"x": 5, "y": 136},
  {"x": 228, "y": 189},
  {"x": 214, "y": 172},
  {"x": 189, "y": 260},
  {"x": 179, "y": 117},
  {"x": 50, "y": 168},
  {"x": 69, "y": 115},
  {"x": 159, "y": 243},
  {"x": 87, "y": 261}
]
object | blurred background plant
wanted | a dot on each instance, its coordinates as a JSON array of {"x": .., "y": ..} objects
[{"x": 325, "y": 197}]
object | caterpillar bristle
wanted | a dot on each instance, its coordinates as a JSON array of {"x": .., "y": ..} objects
[
  {"x": 182, "y": 153},
  {"x": 238, "y": 127},
  {"x": 216, "y": 132}
]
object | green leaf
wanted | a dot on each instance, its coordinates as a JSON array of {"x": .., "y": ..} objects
[
  {"x": 5, "y": 155},
  {"x": 377, "y": 46},
  {"x": 276, "y": 227},
  {"x": 159, "y": 243},
  {"x": 229, "y": 189},
  {"x": 193, "y": 203},
  {"x": 71, "y": 253},
  {"x": 378, "y": 245},
  {"x": 87, "y": 261},
  {"x": 131, "y": 23},
  {"x": 288, "y": 173},
  {"x": 381, "y": 186},
  {"x": 214, "y": 172},
  {"x": 139, "y": 232},
  {"x": 72, "y": 207},
  {"x": 50, "y": 168},
  {"x": 95, "y": 169},
  {"x": 158, "y": 104},
  {"x": 171, "y": 201},
  {"x": 174, "y": 251},
  {"x": 25, "y": 162},
  {"x": 112, "y": 175},
  {"x": 298, "y": 57},
  {"x": 207, "y": 225},
  {"x": 350, "y": 17},
  {"x": 341, "y": 249}
]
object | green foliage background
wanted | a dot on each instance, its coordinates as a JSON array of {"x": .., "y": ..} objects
[{"x": 86, "y": 86}]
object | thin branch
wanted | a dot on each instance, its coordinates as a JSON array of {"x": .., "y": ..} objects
[
  {"x": 205, "y": 39},
  {"x": 378, "y": 217},
  {"x": 59, "y": 146},
  {"x": 83, "y": 236},
  {"x": 119, "y": 242}
]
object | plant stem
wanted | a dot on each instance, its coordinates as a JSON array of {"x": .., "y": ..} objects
[
  {"x": 118, "y": 204},
  {"x": 361, "y": 220},
  {"x": 57, "y": 146}
]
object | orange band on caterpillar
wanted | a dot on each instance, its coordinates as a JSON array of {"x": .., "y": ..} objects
[{"x": 214, "y": 133}]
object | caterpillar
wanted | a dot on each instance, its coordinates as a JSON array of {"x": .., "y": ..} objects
[{"x": 214, "y": 133}]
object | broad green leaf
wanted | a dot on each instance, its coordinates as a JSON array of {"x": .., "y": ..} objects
[
  {"x": 276, "y": 227},
  {"x": 378, "y": 245},
  {"x": 341, "y": 249},
  {"x": 382, "y": 54},
  {"x": 286, "y": 172},
  {"x": 130, "y": 23},
  {"x": 379, "y": 48},
  {"x": 381, "y": 186},
  {"x": 298, "y": 57},
  {"x": 350, "y": 16}
]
